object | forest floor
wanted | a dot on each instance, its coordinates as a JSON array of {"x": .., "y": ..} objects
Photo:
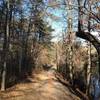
[{"x": 43, "y": 86}]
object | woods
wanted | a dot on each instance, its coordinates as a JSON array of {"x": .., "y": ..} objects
[
  {"x": 46, "y": 35},
  {"x": 17, "y": 38}
]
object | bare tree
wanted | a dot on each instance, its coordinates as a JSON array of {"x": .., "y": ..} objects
[{"x": 87, "y": 35}]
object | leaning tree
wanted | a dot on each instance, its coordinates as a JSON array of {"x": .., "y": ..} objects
[{"x": 94, "y": 14}]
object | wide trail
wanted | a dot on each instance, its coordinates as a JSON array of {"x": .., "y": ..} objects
[{"x": 43, "y": 86}]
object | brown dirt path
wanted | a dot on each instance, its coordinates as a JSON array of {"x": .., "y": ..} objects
[{"x": 43, "y": 87}]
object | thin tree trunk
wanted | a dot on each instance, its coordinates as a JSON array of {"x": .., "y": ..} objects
[
  {"x": 70, "y": 63},
  {"x": 20, "y": 61},
  {"x": 88, "y": 68},
  {"x": 21, "y": 48},
  {"x": 70, "y": 28},
  {"x": 5, "y": 50},
  {"x": 3, "y": 81},
  {"x": 89, "y": 53},
  {"x": 99, "y": 61},
  {"x": 57, "y": 64}
]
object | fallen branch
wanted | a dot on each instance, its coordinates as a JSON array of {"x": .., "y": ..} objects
[{"x": 76, "y": 90}]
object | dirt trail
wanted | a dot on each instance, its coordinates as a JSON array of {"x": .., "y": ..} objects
[{"x": 43, "y": 87}]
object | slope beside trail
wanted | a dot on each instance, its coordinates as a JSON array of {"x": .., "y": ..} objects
[{"x": 44, "y": 86}]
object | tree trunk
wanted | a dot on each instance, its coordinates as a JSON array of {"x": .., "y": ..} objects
[
  {"x": 89, "y": 52},
  {"x": 5, "y": 49},
  {"x": 57, "y": 63},
  {"x": 88, "y": 67},
  {"x": 99, "y": 61},
  {"x": 71, "y": 63},
  {"x": 3, "y": 81},
  {"x": 20, "y": 61},
  {"x": 22, "y": 44}
]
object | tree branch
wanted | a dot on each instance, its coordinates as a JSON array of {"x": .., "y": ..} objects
[{"x": 90, "y": 38}]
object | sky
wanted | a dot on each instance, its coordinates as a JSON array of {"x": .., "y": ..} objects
[
  {"x": 61, "y": 24},
  {"x": 58, "y": 27},
  {"x": 57, "y": 22}
]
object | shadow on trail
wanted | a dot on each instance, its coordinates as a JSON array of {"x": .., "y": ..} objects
[{"x": 44, "y": 86}]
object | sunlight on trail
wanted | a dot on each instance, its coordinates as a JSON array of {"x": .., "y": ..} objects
[{"x": 43, "y": 87}]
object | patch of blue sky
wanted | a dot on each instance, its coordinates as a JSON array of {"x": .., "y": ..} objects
[
  {"x": 0, "y": 3},
  {"x": 26, "y": 8},
  {"x": 57, "y": 24}
]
